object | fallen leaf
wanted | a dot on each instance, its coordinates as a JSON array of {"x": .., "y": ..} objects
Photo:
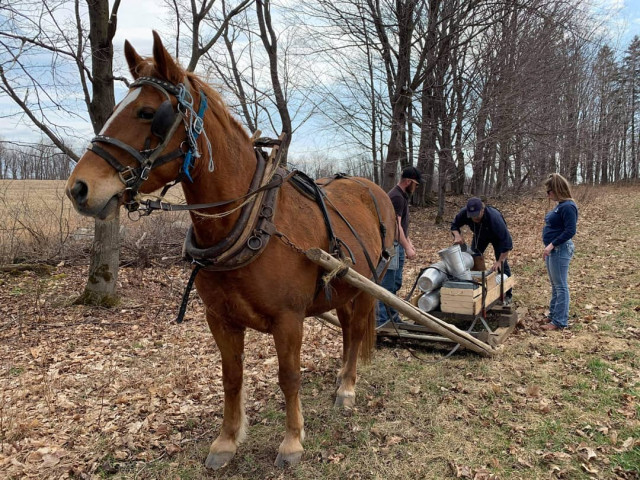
[
  {"x": 120, "y": 455},
  {"x": 533, "y": 391},
  {"x": 628, "y": 443},
  {"x": 173, "y": 449},
  {"x": 587, "y": 453}
]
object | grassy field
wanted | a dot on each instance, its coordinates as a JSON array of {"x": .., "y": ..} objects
[
  {"x": 126, "y": 393},
  {"x": 38, "y": 223}
]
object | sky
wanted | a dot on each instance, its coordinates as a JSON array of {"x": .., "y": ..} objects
[
  {"x": 625, "y": 20},
  {"x": 137, "y": 18}
]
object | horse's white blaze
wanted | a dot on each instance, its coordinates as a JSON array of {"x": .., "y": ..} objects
[{"x": 131, "y": 96}]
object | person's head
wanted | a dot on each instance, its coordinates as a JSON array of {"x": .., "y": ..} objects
[
  {"x": 557, "y": 187},
  {"x": 475, "y": 209},
  {"x": 410, "y": 179}
]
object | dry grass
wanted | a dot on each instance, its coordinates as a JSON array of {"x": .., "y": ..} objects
[
  {"x": 38, "y": 223},
  {"x": 124, "y": 393}
]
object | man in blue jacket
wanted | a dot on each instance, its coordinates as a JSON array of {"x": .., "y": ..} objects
[{"x": 488, "y": 227}]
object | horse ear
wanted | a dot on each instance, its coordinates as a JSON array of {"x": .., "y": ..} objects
[
  {"x": 133, "y": 59},
  {"x": 165, "y": 64}
]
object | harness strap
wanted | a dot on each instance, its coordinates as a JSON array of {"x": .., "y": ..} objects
[
  {"x": 376, "y": 271},
  {"x": 188, "y": 158},
  {"x": 170, "y": 207},
  {"x": 309, "y": 186},
  {"x": 367, "y": 257},
  {"x": 383, "y": 228},
  {"x": 187, "y": 292},
  {"x": 110, "y": 159}
]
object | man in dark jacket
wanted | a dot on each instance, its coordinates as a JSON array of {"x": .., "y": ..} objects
[{"x": 488, "y": 227}]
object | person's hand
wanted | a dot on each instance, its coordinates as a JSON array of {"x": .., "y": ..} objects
[
  {"x": 457, "y": 238},
  {"x": 495, "y": 266},
  {"x": 410, "y": 252},
  {"x": 547, "y": 251}
]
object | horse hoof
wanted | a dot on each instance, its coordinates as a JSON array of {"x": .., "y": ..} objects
[
  {"x": 345, "y": 402},
  {"x": 290, "y": 459},
  {"x": 215, "y": 461}
]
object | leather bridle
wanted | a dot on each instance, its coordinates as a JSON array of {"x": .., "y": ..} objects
[{"x": 163, "y": 126}]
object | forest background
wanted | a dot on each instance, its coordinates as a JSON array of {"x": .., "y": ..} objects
[
  {"x": 482, "y": 96},
  {"x": 485, "y": 97}
]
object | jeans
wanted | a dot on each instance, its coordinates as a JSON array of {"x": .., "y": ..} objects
[
  {"x": 558, "y": 268},
  {"x": 392, "y": 281},
  {"x": 481, "y": 247}
]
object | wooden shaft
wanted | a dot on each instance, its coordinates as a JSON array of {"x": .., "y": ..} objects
[
  {"x": 326, "y": 261},
  {"x": 330, "y": 318}
]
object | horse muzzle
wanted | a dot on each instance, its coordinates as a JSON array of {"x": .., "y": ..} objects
[{"x": 79, "y": 194}]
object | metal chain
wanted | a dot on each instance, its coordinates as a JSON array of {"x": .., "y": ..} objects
[{"x": 287, "y": 241}]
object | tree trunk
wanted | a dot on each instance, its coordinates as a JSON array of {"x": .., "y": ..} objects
[
  {"x": 103, "y": 271},
  {"x": 270, "y": 42},
  {"x": 105, "y": 251},
  {"x": 427, "y": 147},
  {"x": 397, "y": 153}
]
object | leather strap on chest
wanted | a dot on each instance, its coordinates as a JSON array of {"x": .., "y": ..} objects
[{"x": 246, "y": 241}]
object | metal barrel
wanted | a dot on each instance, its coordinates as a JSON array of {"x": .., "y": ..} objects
[
  {"x": 429, "y": 301},
  {"x": 433, "y": 277},
  {"x": 467, "y": 260},
  {"x": 501, "y": 277},
  {"x": 455, "y": 262}
]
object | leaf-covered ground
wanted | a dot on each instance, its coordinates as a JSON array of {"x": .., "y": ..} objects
[{"x": 126, "y": 393}]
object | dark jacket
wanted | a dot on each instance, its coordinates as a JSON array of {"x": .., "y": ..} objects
[{"x": 491, "y": 230}]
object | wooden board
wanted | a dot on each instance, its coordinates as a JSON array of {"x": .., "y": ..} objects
[
  {"x": 505, "y": 316},
  {"x": 507, "y": 321},
  {"x": 489, "y": 280},
  {"x": 457, "y": 301}
]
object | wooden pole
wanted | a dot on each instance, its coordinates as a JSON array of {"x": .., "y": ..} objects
[
  {"x": 322, "y": 258},
  {"x": 330, "y": 318}
]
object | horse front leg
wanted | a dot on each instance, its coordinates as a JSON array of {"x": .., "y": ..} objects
[
  {"x": 230, "y": 341},
  {"x": 287, "y": 336}
]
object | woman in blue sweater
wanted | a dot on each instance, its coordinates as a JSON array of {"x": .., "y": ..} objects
[{"x": 559, "y": 228}]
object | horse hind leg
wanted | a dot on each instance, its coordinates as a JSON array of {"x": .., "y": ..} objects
[
  {"x": 231, "y": 344},
  {"x": 287, "y": 335},
  {"x": 357, "y": 320}
]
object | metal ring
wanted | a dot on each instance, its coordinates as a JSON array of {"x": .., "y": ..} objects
[
  {"x": 134, "y": 215},
  {"x": 254, "y": 243},
  {"x": 267, "y": 211}
]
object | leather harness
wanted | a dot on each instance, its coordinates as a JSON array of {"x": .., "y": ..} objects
[{"x": 250, "y": 235}]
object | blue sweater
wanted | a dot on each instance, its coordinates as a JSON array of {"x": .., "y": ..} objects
[{"x": 560, "y": 223}]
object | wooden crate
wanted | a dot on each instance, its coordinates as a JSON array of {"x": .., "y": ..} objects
[{"x": 468, "y": 301}]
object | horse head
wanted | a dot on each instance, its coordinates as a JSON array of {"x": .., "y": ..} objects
[{"x": 150, "y": 139}]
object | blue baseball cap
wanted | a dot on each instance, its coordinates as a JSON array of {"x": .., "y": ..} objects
[{"x": 474, "y": 207}]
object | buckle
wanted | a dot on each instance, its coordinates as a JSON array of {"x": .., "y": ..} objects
[
  {"x": 128, "y": 176},
  {"x": 144, "y": 174}
]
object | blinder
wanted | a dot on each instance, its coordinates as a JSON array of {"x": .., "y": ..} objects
[{"x": 163, "y": 120}]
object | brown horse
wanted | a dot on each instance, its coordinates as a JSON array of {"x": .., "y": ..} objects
[{"x": 275, "y": 291}]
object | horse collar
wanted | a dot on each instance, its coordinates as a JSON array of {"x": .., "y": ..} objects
[{"x": 253, "y": 229}]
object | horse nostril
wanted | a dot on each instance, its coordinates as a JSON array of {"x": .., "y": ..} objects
[{"x": 79, "y": 192}]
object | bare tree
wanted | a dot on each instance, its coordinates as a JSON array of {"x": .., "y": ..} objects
[
  {"x": 48, "y": 28},
  {"x": 632, "y": 84}
]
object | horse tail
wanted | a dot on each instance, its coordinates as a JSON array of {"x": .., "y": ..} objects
[{"x": 369, "y": 336}]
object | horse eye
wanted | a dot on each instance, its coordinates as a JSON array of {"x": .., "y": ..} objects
[{"x": 146, "y": 113}]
